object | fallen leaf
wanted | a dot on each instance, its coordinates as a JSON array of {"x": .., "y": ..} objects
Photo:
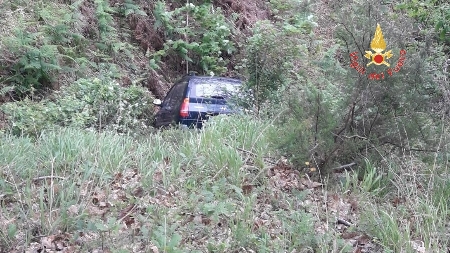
[
  {"x": 310, "y": 184},
  {"x": 206, "y": 220},
  {"x": 350, "y": 235},
  {"x": 129, "y": 220},
  {"x": 157, "y": 176},
  {"x": 166, "y": 161},
  {"x": 397, "y": 201},
  {"x": 126, "y": 211},
  {"x": 154, "y": 249},
  {"x": 197, "y": 219},
  {"x": 246, "y": 189},
  {"x": 73, "y": 210},
  {"x": 353, "y": 205},
  {"x": 313, "y": 184},
  {"x": 418, "y": 246},
  {"x": 138, "y": 192},
  {"x": 357, "y": 250},
  {"x": 93, "y": 210},
  {"x": 56, "y": 242}
]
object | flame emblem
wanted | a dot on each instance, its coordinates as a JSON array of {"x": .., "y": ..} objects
[{"x": 378, "y": 45}]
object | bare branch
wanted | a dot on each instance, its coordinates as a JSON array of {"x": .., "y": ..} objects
[
  {"x": 48, "y": 177},
  {"x": 344, "y": 166}
]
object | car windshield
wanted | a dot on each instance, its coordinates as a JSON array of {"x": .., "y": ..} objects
[{"x": 214, "y": 88}]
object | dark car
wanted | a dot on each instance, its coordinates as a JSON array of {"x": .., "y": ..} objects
[{"x": 194, "y": 99}]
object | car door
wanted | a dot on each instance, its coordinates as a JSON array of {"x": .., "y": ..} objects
[{"x": 170, "y": 108}]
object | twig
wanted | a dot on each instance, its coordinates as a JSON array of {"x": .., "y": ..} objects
[
  {"x": 48, "y": 177},
  {"x": 311, "y": 150},
  {"x": 252, "y": 154},
  {"x": 350, "y": 137},
  {"x": 336, "y": 135},
  {"x": 344, "y": 166},
  {"x": 316, "y": 128},
  {"x": 411, "y": 149},
  {"x": 355, "y": 136},
  {"x": 132, "y": 209}
]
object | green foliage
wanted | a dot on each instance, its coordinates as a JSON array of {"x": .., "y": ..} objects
[
  {"x": 95, "y": 162},
  {"x": 339, "y": 115},
  {"x": 386, "y": 226},
  {"x": 108, "y": 42},
  {"x": 386, "y": 111},
  {"x": 49, "y": 48},
  {"x": 308, "y": 124},
  {"x": 166, "y": 239},
  {"x": 36, "y": 64},
  {"x": 271, "y": 64},
  {"x": 88, "y": 103},
  {"x": 268, "y": 63},
  {"x": 370, "y": 180},
  {"x": 36, "y": 57},
  {"x": 433, "y": 13},
  {"x": 129, "y": 7},
  {"x": 104, "y": 19},
  {"x": 199, "y": 34},
  {"x": 299, "y": 231},
  {"x": 294, "y": 16}
]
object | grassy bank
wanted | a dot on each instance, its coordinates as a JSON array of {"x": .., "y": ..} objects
[
  {"x": 176, "y": 191},
  {"x": 221, "y": 189}
]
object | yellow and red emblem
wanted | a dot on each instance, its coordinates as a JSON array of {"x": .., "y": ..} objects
[{"x": 378, "y": 45}]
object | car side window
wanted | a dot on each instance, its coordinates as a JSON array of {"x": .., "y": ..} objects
[{"x": 175, "y": 96}]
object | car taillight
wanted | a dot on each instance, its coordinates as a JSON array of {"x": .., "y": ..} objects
[{"x": 184, "y": 110}]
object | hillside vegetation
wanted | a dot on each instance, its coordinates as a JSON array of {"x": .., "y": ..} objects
[{"x": 337, "y": 154}]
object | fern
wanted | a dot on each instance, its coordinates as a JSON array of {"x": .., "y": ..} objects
[
  {"x": 105, "y": 20},
  {"x": 129, "y": 7}
]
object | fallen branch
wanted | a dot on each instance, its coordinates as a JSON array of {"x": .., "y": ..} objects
[
  {"x": 344, "y": 166},
  {"x": 344, "y": 222},
  {"x": 122, "y": 216},
  {"x": 252, "y": 154},
  {"x": 48, "y": 177},
  {"x": 411, "y": 149}
]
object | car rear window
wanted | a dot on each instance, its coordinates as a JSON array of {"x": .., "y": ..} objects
[{"x": 213, "y": 88}]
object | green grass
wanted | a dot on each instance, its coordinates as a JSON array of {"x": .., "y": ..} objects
[
  {"x": 410, "y": 212},
  {"x": 185, "y": 191},
  {"x": 182, "y": 187}
]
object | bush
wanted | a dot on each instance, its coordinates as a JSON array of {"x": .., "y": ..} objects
[
  {"x": 88, "y": 103},
  {"x": 336, "y": 115},
  {"x": 271, "y": 65},
  {"x": 33, "y": 57},
  {"x": 197, "y": 34},
  {"x": 433, "y": 14}
]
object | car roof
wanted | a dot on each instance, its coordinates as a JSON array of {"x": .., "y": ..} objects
[{"x": 217, "y": 79}]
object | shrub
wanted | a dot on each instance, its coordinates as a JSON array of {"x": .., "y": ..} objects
[
  {"x": 198, "y": 34},
  {"x": 88, "y": 103},
  {"x": 34, "y": 56},
  {"x": 432, "y": 13},
  {"x": 271, "y": 66},
  {"x": 340, "y": 115}
]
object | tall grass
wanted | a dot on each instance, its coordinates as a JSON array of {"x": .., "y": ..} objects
[
  {"x": 79, "y": 182},
  {"x": 406, "y": 201},
  {"x": 184, "y": 191}
]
